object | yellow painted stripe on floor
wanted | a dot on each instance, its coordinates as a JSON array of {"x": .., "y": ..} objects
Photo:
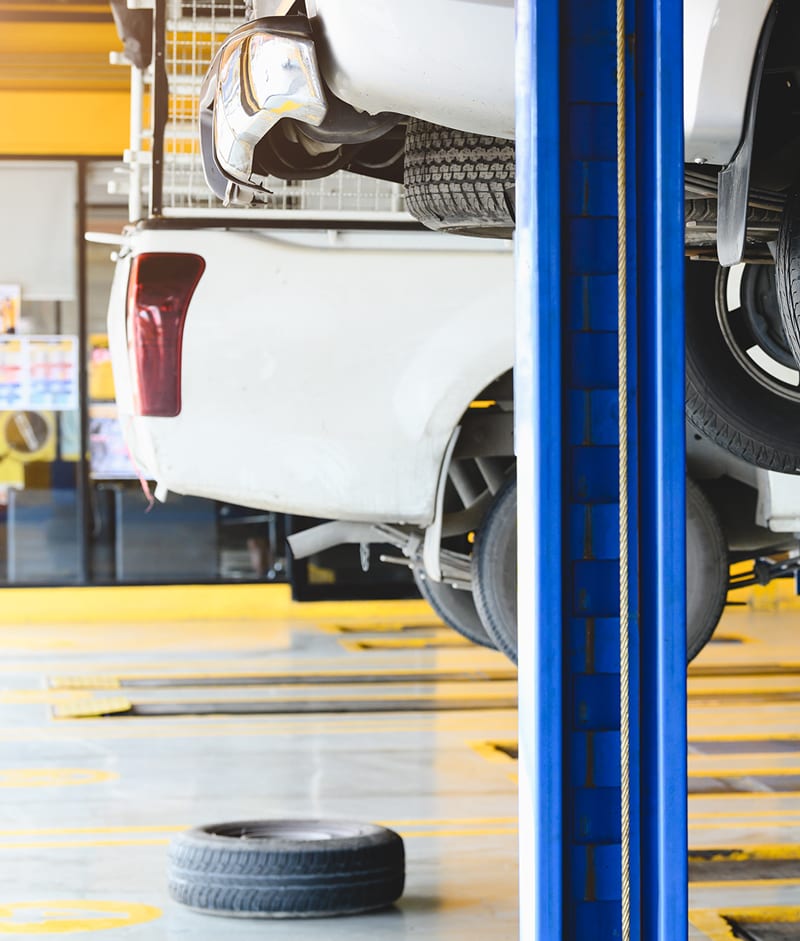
[
  {"x": 67, "y": 916},
  {"x": 259, "y": 678},
  {"x": 142, "y": 603},
  {"x": 462, "y": 822},
  {"x": 493, "y": 751},
  {"x": 722, "y": 772},
  {"x": 779, "y": 914},
  {"x": 745, "y": 884},
  {"x": 722, "y": 796},
  {"x": 448, "y": 639},
  {"x": 92, "y": 708},
  {"x": 712, "y": 924},
  {"x": 136, "y": 727},
  {"x": 778, "y": 824},
  {"x": 763, "y": 852},
  {"x": 735, "y": 814}
]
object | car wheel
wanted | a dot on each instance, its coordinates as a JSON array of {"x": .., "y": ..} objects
[
  {"x": 494, "y": 573},
  {"x": 455, "y": 606},
  {"x": 459, "y": 182},
  {"x": 287, "y": 868},
  {"x": 787, "y": 274},
  {"x": 742, "y": 383},
  {"x": 494, "y": 570},
  {"x": 706, "y": 570}
]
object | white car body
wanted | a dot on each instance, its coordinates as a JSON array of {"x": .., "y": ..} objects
[
  {"x": 323, "y": 372},
  {"x": 451, "y": 62},
  {"x": 309, "y": 388}
]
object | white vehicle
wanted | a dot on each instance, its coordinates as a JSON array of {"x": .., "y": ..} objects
[
  {"x": 287, "y": 370},
  {"x": 307, "y": 88}
]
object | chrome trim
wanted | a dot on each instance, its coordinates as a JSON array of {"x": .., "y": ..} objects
[{"x": 265, "y": 70}]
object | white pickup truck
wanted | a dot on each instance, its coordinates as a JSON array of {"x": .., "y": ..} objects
[
  {"x": 365, "y": 377},
  {"x": 336, "y": 362},
  {"x": 422, "y": 92}
]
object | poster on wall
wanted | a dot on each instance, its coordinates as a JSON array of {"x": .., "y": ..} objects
[
  {"x": 108, "y": 454},
  {"x": 39, "y": 372},
  {"x": 10, "y": 306}
]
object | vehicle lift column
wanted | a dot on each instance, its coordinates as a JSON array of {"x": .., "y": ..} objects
[{"x": 601, "y": 471}]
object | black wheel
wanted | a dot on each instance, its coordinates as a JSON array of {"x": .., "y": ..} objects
[
  {"x": 742, "y": 383},
  {"x": 494, "y": 572},
  {"x": 459, "y": 182},
  {"x": 787, "y": 274},
  {"x": 287, "y": 868},
  {"x": 706, "y": 570},
  {"x": 455, "y": 607}
]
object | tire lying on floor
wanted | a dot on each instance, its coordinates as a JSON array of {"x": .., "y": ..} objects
[
  {"x": 742, "y": 382},
  {"x": 494, "y": 569},
  {"x": 287, "y": 868}
]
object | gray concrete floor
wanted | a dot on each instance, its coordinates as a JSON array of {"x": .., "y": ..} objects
[{"x": 88, "y": 805}]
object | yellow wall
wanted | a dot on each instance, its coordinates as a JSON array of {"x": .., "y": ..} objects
[{"x": 58, "y": 92}]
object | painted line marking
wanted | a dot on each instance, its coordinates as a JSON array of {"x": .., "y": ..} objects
[
  {"x": 179, "y": 828},
  {"x": 54, "y": 777},
  {"x": 761, "y": 852},
  {"x": 65, "y": 916}
]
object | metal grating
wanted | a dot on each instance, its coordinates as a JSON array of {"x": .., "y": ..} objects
[{"x": 194, "y": 31}]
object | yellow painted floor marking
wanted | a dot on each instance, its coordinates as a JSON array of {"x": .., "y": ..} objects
[
  {"x": 494, "y": 722},
  {"x": 259, "y": 678},
  {"x": 712, "y": 924},
  {"x": 746, "y": 884},
  {"x": 182, "y": 603},
  {"x": 447, "y": 639},
  {"x": 779, "y": 914},
  {"x": 84, "y": 682},
  {"x": 479, "y": 693},
  {"x": 383, "y": 628},
  {"x": 749, "y": 738},
  {"x": 723, "y": 796},
  {"x": 761, "y": 853},
  {"x": 77, "y": 831},
  {"x": 47, "y": 697},
  {"x": 493, "y": 751},
  {"x": 92, "y": 708},
  {"x": 721, "y": 773},
  {"x": 749, "y": 814},
  {"x": 54, "y": 777},
  {"x": 65, "y": 916},
  {"x": 462, "y": 822},
  {"x": 77, "y": 844}
]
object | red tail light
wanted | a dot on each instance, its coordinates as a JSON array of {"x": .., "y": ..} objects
[{"x": 160, "y": 287}]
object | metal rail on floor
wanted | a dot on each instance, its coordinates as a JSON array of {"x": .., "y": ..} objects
[{"x": 603, "y": 844}]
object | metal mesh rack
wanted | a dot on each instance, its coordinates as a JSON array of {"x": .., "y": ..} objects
[{"x": 192, "y": 32}]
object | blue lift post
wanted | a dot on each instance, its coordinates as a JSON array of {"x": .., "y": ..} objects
[{"x": 603, "y": 846}]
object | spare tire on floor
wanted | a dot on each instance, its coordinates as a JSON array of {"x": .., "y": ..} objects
[{"x": 287, "y": 868}]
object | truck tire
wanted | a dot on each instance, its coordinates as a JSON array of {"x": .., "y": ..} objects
[
  {"x": 706, "y": 570},
  {"x": 287, "y": 868},
  {"x": 459, "y": 182},
  {"x": 741, "y": 390},
  {"x": 787, "y": 273},
  {"x": 494, "y": 572},
  {"x": 455, "y": 607}
]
